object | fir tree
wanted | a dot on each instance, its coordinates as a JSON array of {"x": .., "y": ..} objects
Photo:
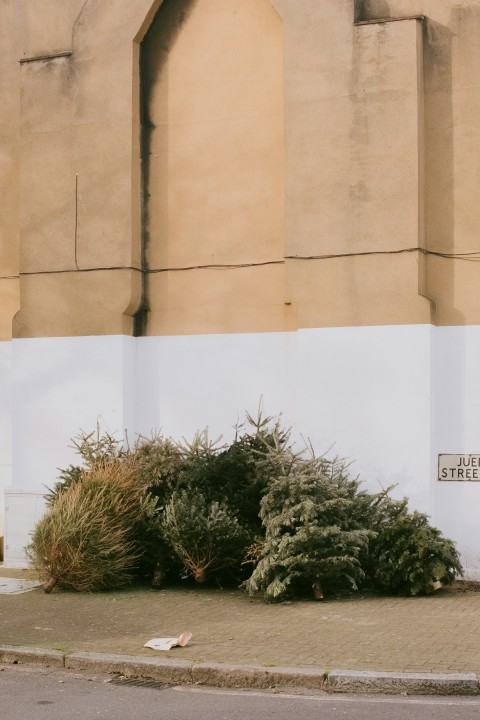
[
  {"x": 206, "y": 537},
  {"x": 408, "y": 556},
  {"x": 310, "y": 539}
]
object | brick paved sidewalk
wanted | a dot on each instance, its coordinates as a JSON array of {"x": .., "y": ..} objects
[{"x": 439, "y": 633}]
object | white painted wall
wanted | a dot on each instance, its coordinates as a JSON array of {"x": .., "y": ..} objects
[
  {"x": 367, "y": 390},
  {"x": 456, "y": 429},
  {"x": 60, "y": 385},
  {"x": 186, "y": 383},
  {"x": 364, "y": 390},
  {"x": 389, "y": 398}
]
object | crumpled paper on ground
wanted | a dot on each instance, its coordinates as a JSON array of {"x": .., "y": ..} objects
[{"x": 168, "y": 643}]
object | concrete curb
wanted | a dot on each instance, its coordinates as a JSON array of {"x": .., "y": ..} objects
[
  {"x": 166, "y": 671},
  {"x": 12, "y": 654},
  {"x": 389, "y": 683},
  {"x": 253, "y": 676},
  {"x": 248, "y": 676}
]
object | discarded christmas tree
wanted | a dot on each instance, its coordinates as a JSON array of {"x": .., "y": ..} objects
[
  {"x": 86, "y": 540},
  {"x": 206, "y": 537},
  {"x": 310, "y": 542},
  {"x": 408, "y": 556}
]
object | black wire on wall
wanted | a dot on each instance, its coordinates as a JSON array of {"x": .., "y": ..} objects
[{"x": 468, "y": 257}]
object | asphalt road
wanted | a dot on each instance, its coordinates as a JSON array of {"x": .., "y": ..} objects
[{"x": 33, "y": 693}]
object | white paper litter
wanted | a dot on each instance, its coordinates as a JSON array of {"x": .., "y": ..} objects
[
  {"x": 15, "y": 586},
  {"x": 168, "y": 643}
]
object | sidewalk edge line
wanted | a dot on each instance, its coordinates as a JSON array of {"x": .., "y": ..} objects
[{"x": 180, "y": 671}]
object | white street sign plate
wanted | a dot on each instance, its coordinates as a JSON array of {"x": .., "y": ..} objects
[{"x": 459, "y": 467}]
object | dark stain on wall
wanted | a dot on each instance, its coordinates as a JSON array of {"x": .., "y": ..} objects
[
  {"x": 154, "y": 50},
  {"x": 371, "y": 10}
]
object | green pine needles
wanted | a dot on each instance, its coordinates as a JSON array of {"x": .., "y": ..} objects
[
  {"x": 86, "y": 541},
  {"x": 310, "y": 538},
  {"x": 206, "y": 536},
  {"x": 408, "y": 555},
  {"x": 257, "y": 511}
]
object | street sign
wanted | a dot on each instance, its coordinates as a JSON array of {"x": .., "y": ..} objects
[{"x": 459, "y": 467}]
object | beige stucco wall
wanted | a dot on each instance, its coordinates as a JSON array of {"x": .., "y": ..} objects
[
  {"x": 78, "y": 163},
  {"x": 354, "y": 115},
  {"x": 353, "y": 140},
  {"x": 452, "y": 136},
  {"x": 214, "y": 167},
  {"x": 9, "y": 133}
]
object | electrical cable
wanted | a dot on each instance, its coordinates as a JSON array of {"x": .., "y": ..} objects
[{"x": 467, "y": 257}]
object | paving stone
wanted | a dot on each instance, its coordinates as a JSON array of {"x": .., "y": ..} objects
[{"x": 439, "y": 633}]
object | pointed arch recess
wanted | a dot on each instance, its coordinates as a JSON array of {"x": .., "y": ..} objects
[{"x": 212, "y": 114}]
